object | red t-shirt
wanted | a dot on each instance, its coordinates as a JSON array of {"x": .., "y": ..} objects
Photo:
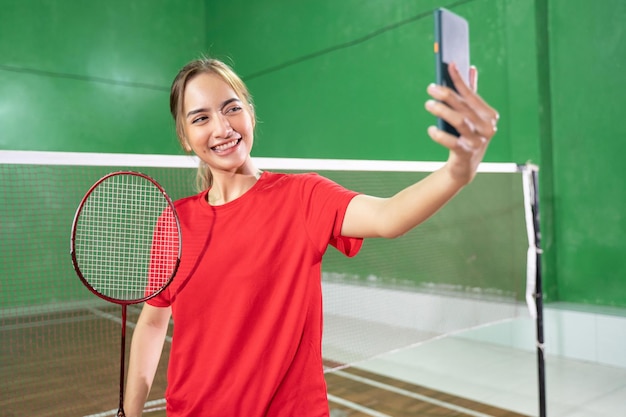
[{"x": 247, "y": 303}]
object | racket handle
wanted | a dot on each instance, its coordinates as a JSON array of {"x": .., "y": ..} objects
[{"x": 120, "y": 411}]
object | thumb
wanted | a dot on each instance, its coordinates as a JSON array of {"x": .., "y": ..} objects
[{"x": 473, "y": 78}]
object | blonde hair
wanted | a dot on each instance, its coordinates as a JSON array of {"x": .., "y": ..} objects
[{"x": 188, "y": 72}]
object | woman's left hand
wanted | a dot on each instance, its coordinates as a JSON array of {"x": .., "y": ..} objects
[{"x": 470, "y": 115}]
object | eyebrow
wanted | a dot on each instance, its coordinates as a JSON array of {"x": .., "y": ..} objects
[{"x": 204, "y": 109}]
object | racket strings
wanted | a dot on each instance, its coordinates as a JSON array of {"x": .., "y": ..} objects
[{"x": 127, "y": 240}]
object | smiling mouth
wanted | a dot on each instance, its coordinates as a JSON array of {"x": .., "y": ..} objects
[{"x": 225, "y": 146}]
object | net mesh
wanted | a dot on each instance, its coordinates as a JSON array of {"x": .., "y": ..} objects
[
  {"x": 463, "y": 268},
  {"x": 59, "y": 344}
]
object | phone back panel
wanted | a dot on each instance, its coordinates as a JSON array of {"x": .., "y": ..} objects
[{"x": 451, "y": 45}]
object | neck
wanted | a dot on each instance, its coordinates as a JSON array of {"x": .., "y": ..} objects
[{"x": 228, "y": 186}]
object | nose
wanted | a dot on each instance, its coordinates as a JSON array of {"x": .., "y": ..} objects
[{"x": 223, "y": 128}]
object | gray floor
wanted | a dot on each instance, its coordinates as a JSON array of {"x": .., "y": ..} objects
[{"x": 507, "y": 377}]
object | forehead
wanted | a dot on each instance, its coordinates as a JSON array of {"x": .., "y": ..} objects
[{"x": 207, "y": 90}]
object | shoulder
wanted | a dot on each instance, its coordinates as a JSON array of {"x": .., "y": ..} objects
[
  {"x": 308, "y": 187},
  {"x": 273, "y": 179},
  {"x": 185, "y": 202},
  {"x": 305, "y": 185},
  {"x": 299, "y": 178}
]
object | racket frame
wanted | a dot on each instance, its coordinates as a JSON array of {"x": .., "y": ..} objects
[
  {"x": 123, "y": 303},
  {"x": 75, "y": 224}
]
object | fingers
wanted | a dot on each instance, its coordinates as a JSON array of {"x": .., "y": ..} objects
[
  {"x": 469, "y": 93},
  {"x": 473, "y": 131},
  {"x": 468, "y": 120},
  {"x": 458, "y": 81},
  {"x": 474, "y": 119}
]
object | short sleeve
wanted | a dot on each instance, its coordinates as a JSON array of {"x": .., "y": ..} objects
[{"x": 325, "y": 205}]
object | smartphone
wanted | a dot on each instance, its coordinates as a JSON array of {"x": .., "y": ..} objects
[{"x": 451, "y": 45}]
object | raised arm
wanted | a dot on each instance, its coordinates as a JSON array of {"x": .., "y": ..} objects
[
  {"x": 145, "y": 352},
  {"x": 475, "y": 121}
]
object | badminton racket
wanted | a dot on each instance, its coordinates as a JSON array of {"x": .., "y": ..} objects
[{"x": 126, "y": 243}]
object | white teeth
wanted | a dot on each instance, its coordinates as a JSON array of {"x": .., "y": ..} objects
[{"x": 227, "y": 145}]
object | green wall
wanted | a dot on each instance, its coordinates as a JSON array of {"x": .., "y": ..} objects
[
  {"x": 587, "y": 66},
  {"x": 346, "y": 79},
  {"x": 93, "y": 76}
]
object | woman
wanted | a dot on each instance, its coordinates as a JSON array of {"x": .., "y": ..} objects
[{"x": 246, "y": 301}]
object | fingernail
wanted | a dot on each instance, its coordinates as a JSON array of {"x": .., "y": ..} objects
[
  {"x": 430, "y": 104},
  {"x": 432, "y": 87}
]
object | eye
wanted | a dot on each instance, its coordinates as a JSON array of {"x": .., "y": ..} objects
[
  {"x": 233, "y": 110},
  {"x": 199, "y": 119}
]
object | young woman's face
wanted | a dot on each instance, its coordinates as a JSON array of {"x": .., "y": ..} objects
[{"x": 218, "y": 125}]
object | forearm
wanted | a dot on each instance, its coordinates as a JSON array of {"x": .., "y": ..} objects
[
  {"x": 418, "y": 202},
  {"x": 368, "y": 216},
  {"x": 145, "y": 353}
]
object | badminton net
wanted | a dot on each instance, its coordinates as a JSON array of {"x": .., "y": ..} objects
[{"x": 463, "y": 268}]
